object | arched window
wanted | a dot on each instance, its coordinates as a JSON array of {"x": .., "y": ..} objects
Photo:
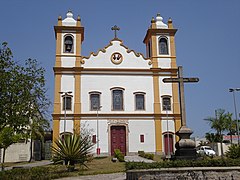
[
  {"x": 139, "y": 101},
  {"x": 163, "y": 45},
  {"x": 117, "y": 99},
  {"x": 68, "y": 44},
  {"x": 95, "y": 101},
  {"x": 67, "y": 103},
  {"x": 166, "y": 103}
]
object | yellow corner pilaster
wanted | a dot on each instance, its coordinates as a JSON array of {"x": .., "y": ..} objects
[
  {"x": 58, "y": 49},
  {"x": 77, "y": 125},
  {"x": 57, "y": 100},
  {"x": 78, "y": 49},
  {"x": 56, "y": 124},
  {"x": 158, "y": 132}
]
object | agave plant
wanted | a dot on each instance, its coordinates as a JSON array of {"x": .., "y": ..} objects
[{"x": 71, "y": 150}]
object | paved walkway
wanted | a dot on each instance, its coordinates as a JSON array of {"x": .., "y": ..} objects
[
  {"x": 29, "y": 165},
  {"x": 137, "y": 159},
  {"x": 114, "y": 176}
]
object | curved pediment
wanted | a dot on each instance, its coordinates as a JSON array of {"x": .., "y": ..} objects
[{"x": 115, "y": 54}]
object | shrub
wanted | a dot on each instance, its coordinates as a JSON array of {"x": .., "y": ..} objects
[
  {"x": 145, "y": 155},
  {"x": 184, "y": 163},
  {"x": 233, "y": 151},
  {"x": 119, "y": 155},
  {"x": 72, "y": 149}
]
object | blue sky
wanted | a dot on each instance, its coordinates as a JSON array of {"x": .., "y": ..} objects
[{"x": 207, "y": 41}]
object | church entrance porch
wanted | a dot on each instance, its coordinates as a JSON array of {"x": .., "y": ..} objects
[{"x": 118, "y": 139}]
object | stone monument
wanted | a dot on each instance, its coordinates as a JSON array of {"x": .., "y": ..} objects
[{"x": 185, "y": 146}]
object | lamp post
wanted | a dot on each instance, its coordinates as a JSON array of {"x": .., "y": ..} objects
[
  {"x": 168, "y": 143},
  {"x": 98, "y": 149},
  {"x": 65, "y": 94},
  {"x": 235, "y": 107}
]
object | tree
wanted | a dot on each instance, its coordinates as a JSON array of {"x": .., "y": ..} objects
[
  {"x": 35, "y": 131},
  {"x": 219, "y": 124},
  {"x": 7, "y": 137},
  {"x": 22, "y": 95},
  {"x": 22, "y": 91},
  {"x": 212, "y": 138},
  {"x": 72, "y": 149}
]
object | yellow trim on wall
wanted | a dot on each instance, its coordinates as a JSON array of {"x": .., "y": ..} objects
[
  {"x": 57, "y": 106},
  {"x": 56, "y": 124},
  {"x": 78, "y": 50},
  {"x": 158, "y": 135},
  {"x": 77, "y": 103},
  {"x": 77, "y": 125},
  {"x": 58, "y": 49},
  {"x": 57, "y": 100},
  {"x": 173, "y": 52}
]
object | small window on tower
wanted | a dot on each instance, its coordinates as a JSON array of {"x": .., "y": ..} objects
[
  {"x": 68, "y": 44},
  {"x": 163, "y": 45},
  {"x": 166, "y": 103},
  {"x": 67, "y": 103}
]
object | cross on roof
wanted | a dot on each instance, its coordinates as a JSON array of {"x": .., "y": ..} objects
[
  {"x": 115, "y": 29},
  {"x": 181, "y": 80}
]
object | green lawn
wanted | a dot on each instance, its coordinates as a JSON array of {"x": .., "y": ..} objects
[{"x": 96, "y": 166}]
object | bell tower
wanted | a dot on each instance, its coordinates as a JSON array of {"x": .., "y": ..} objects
[
  {"x": 160, "y": 48},
  {"x": 69, "y": 35}
]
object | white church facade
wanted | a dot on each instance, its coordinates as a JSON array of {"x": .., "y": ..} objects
[{"x": 116, "y": 92}]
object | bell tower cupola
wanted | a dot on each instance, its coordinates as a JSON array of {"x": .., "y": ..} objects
[
  {"x": 69, "y": 35},
  {"x": 160, "y": 43}
]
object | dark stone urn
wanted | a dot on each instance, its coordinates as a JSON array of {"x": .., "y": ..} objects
[{"x": 185, "y": 146}]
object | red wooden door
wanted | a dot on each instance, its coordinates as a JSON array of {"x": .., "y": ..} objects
[
  {"x": 118, "y": 139},
  {"x": 170, "y": 143}
]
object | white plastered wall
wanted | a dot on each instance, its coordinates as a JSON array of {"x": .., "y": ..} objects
[
  {"x": 141, "y": 127},
  {"x": 67, "y": 84},
  {"x": 91, "y": 126},
  {"x": 68, "y": 61},
  {"x": 103, "y": 59},
  {"x": 103, "y": 84}
]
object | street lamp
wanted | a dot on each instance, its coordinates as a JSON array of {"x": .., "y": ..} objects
[
  {"x": 235, "y": 107},
  {"x": 168, "y": 143},
  {"x": 98, "y": 149},
  {"x": 65, "y": 94}
]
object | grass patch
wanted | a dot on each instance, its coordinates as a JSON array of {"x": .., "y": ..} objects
[
  {"x": 103, "y": 166},
  {"x": 96, "y": 166}
]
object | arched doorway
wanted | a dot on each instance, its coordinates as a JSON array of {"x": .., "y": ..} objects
[{"x": 168, "y": 143}]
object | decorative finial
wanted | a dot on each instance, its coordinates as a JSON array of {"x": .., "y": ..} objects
[
  {"x": 59, "y": 17},
  {"x": 69, "y": 14},
  {"x": 115, "y": 29},
  {"x": 170, "y": 25},
  {"x": 153, "y": 20},
  {"x": 78, "y": 18}
]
